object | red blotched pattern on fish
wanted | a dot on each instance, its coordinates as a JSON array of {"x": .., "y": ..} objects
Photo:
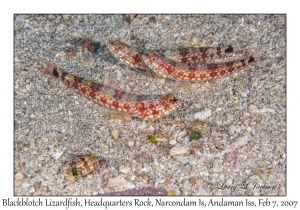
[
  {"x": 142, "y": 106},
  {"x": 127, "y": 54},
  {"x": 193, "y": 56},
  {"x": 182, "y": 72},
  {"x": 183, "y": 64}
]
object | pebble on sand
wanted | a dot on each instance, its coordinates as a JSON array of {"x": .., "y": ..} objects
[
  {"x": 120, "y": 183},
  {"x": 206, "y": 113},
  {"x": 179, "y": 150},
  {"x": 231, "y": 157}
]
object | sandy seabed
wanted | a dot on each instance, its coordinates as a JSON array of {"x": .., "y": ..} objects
[{"x": 243, "y": 146}]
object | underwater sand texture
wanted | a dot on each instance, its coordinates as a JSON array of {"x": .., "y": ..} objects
[{"x": 242, "y": 117}]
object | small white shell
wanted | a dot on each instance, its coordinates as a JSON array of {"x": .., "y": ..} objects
[
  {"x": 115, "y": 134},
  {"x": 203, "y": 114},
  {"x": 179, "y": 150},
  {"x": 124, "y": 169}
]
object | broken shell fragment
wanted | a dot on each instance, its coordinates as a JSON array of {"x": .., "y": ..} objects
[
  {"x": 84, "y": 165},
  {"x": 115, "y": 134}
]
